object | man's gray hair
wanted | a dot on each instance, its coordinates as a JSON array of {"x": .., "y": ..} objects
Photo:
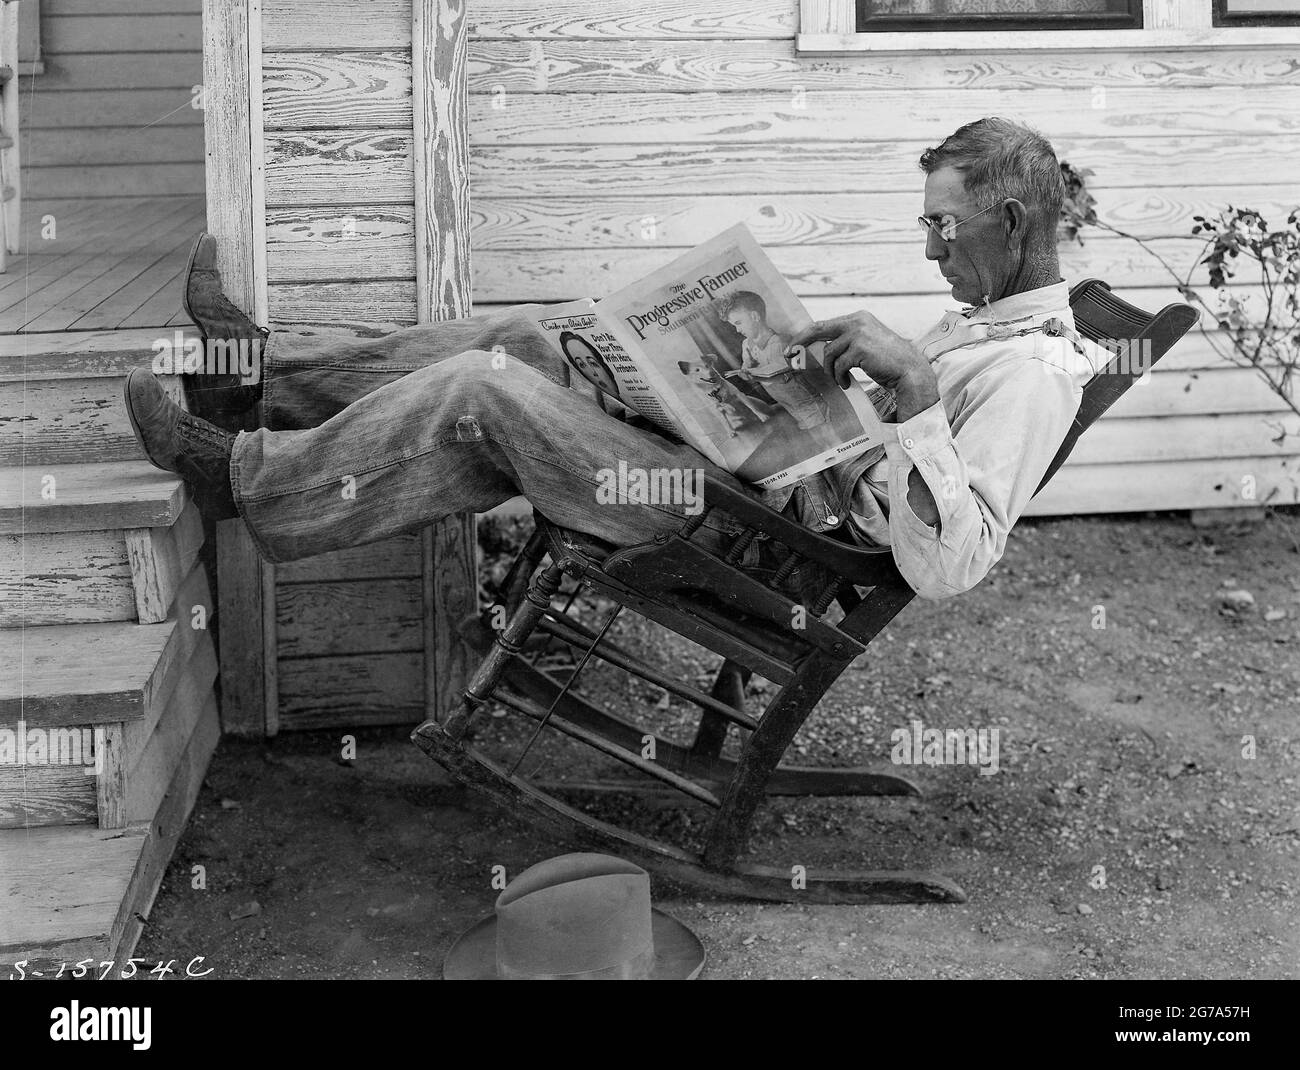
[{"x": 999, "y": 158}]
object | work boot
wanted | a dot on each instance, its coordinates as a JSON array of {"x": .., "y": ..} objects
[
  {"x": 215, "y": 393},
  {"x": 175, "y": 441}
]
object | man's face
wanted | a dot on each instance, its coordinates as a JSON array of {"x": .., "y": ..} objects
[{"x": 976, "y": 262}]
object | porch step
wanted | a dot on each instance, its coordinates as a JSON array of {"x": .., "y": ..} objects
[
  {"x": 84, "y": 354},
  {"x": 88, "y": 674},
  {"x": 78, "y": 892},
  {"x": 104, "y": 496}
]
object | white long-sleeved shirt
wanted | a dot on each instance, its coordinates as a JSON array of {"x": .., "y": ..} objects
[{"x": 1007, "y": 400}]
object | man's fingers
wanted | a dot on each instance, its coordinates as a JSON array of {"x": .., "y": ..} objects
[{"x": 819, "y": 332}]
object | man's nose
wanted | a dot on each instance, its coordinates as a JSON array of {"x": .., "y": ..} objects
[{"x": 935, "y": 247}]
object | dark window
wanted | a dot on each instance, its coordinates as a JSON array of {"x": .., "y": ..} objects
[
  {"x": 1256, "y": 12},
  {"x": 882, "y": 16}
]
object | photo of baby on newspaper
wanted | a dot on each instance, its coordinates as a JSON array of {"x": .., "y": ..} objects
[{"x": 702, "y": 349}]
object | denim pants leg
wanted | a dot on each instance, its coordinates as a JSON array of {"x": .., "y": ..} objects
[{"x": 462, "y": 432}]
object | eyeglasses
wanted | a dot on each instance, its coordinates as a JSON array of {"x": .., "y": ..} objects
[{"x": 946, "y": 226}]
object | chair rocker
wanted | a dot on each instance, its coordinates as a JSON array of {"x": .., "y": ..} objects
[{"x": 703, "y": 596}]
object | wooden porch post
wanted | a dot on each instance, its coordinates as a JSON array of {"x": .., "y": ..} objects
[{"x": 442, "y": 267}]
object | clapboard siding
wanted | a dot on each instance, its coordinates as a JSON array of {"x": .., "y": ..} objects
[{"x": 113, "y": 113}]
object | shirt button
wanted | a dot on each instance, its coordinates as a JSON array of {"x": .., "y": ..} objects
[
  {"x": 832, "y": 520},
  {"x": 907, "y": 442},
  {"x": 946, "y": 327}
]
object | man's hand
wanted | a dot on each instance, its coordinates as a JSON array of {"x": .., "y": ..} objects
[{"x": 862, "y": 341}]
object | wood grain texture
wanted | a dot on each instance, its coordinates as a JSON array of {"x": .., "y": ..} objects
[
  {"x": 727, "y": 19},
  {"x": 152, "y": 762},
  {"x": 680, "y": 66},
  {"x": 886, "y": 115},
  {"x": 655, "y": 168},
  {"x": 63, "y": 889},
  {"x": 244, "y": 643},
  {"x": 351, "y": 690},
  {"x": 338, "y": 167},
  {"x": 87, "y": 497},
  {"x": 110, "y": 783},
  {"x": 316, "y": 24},
  {"x": 229, "y": 110},
  {"x": 161, "y": 559},
  {"x": 443, "y": 291},
  {"x": 389, "y": 559},
  {"x": 89, "y": 674},
  {"x": 353, "y": 241},
  {"x": 349, "y": 617},
  {"x": 301, "y": 90},
  {"x": 83, "y": 577},
  {"x": 32, "y": 796},
  {"x": 1197, "y": 484}
]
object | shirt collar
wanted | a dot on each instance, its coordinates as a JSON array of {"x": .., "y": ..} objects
[{"x": 1037, "y": 302}]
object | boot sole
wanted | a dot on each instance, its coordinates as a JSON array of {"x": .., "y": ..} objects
[{"x": 135, "y": 426}]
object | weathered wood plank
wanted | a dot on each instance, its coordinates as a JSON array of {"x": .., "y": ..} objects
[
  {"x": 132, "y": 108},
  {"x": 114, "y": 673},
  {"x": 653, "y": 168},
  {"x": 1209, "y": 484},
  {"x": 32, "y": 796},
  {"x": 53, "y": 9},
  {"x": 134, "y": 32},
  {"x": 110, "y": 783},
  {"x": 339, "y": 167},
  {"x": 354, "y": 691},
  {"x": 336, "y": 89},
  {"x": 553, "y": 118},
  {"x": 729, "y": 19},
  {"x": 123, "y": 70},
  {"x": 63, "y": 889},
  {"x": 443, "y": 279},
  {"x": 152, "y": 762},
  {"x": 314, "y": 24},
  {"x": 89, "y": 497},
  {"x": 646, "y": 66},
  {"x": 390, "y": 559},
  {"x": 348, "y": 617},
  {"x": 161, "y": 559},
  {"x": 1119, "y": 439},
  {"x": 229, "y": 132},
  {"x": 122, "y": 146},
  {"x": 163, "y": 179},
  {"x": 64, "y": 579},
  {"x": 365, "y": 241}
]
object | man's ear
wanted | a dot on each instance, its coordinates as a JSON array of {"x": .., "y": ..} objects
[{"x": 1015, "y": 220}]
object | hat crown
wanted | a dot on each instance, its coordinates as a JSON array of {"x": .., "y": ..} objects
[{"x": 576, "y": 915}]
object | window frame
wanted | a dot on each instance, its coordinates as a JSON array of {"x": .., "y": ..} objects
[
  {"x": 829, "y": 28},
  {"x": 1131, "y": 19},
  {"x": 1225, "y": 18}
]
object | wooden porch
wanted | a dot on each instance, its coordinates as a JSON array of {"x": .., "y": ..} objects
[{"x": 111, "y": 263}]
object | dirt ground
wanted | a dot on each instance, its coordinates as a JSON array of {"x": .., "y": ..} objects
[{"x": 1129, "y": 832}]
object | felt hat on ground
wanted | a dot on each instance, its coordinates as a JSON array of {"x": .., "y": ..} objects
[{"x": 576, "y": 917}]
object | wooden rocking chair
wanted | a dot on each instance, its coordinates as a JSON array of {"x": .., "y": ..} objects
[{"x": 703, "y": 596}]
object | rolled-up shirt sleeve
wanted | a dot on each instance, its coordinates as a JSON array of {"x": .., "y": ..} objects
[{"x": 982, "y": 469}]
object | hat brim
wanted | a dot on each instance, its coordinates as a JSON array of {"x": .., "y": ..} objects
[{"x": 679, "y": 955}]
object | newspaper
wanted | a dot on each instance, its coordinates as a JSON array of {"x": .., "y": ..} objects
[{"x": 701, "y": 348}]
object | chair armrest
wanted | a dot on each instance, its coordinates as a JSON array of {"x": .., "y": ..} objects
[{"x": 860, "y": 566}]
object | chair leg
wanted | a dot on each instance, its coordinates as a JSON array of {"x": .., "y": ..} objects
[
  {"x": 762, "y": 753},
  {"x": 728, "y": 687},
  {"x": 509, "y": 641}
]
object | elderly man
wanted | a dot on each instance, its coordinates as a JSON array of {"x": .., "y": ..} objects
[{"x": 368, "y": 439}]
